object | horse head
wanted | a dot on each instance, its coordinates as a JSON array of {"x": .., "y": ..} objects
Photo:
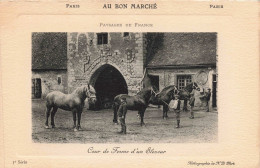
[
  {"x": 90, "y": 93},
  {"x": 175, "y": 90},
  {"x": 192, "y": 86},
  {"x": 165, "y": 95},
  {"x": 195, "y": 86}
]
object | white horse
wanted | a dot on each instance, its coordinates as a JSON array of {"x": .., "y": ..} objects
[{"x": 70, "y": 102}]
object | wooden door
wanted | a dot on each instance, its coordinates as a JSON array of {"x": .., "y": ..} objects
[{"x": 36, "y": 88}]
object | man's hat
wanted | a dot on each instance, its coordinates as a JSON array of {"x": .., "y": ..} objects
[{"x": 209, "y": 89}]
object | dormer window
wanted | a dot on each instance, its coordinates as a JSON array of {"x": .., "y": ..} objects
[
  {"x": 102, "y": 38},
  {"x": 126, "y": 34}
]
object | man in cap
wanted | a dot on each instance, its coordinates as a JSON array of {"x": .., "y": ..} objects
[{"x": 121, "y": 114}]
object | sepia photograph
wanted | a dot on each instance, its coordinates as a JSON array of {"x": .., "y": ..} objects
[
  {"x": 129, "y": 84},
  {"x": 124, "y": 87}
]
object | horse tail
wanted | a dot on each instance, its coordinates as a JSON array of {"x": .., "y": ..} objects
[{"x": 115, "y": 107}]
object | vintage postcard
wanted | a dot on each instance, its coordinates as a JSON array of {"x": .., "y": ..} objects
[{"x": 129, "y": 84}]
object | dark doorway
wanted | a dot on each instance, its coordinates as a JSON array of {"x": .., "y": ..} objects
[
  {"x": 36, "y": 88},
  {"x": 214, "y": 91},
  {"x": 154, "y": 81},
  {"x": 109, "y": 83}
]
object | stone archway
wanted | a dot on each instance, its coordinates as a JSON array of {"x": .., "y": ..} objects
[{"x": 108, "y": 83}]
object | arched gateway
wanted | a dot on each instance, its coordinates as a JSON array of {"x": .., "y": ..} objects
[
  {"x": 108, "y": 83},
  {"x": 112, "y": 62}
]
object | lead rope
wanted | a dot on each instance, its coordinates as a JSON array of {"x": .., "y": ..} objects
[
  {"x": 165, "y": 103},
  {"x": 152, "y": 91},
  {"x": 174, "y": 92}
]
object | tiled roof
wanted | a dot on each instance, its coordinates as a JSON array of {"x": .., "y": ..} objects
[
  {"x": 181, "y": 49},
  {"x": 49, "y": 51}
]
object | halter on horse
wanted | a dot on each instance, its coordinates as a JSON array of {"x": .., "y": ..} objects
[
  {"x": 70, "y": 102},
  {"x": 185, "y": 93},
  {"x": 164, "y": 97},
  {"x": 139, "y": 102}
]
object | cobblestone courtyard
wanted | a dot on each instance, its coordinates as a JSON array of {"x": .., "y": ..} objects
[{"x": 99, "y": 128}]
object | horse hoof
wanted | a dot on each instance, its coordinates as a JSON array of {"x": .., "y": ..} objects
[
  {"x": 80, "y": 129},
  {"x": 75, "y": 129},
  {"x": 53, "y": 126},
  {"x": 138, "y": 116},
  {"x": 47, "y": 127}
]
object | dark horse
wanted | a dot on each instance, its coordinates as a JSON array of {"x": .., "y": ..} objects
[
  {"x": 164, "y": 97},
  {"x": 185, "y": 93},
  {"x": 71, "y": 102},
  {"x": 139, "y": 102}
]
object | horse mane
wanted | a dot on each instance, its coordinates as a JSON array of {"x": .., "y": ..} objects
[
  {"x": 167, "y": 89},
  {"x": 79, "y": 90},
  {"x": 92, "y": 89}
]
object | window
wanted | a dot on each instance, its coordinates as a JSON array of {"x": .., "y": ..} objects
[
  {"x": 126, "y": 34},
  {"x": 102, "y": 38},
  {"x": 59, "y": 80},
  {"x": 183, "y": 80}
]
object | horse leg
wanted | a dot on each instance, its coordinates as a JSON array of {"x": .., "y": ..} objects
[
  {"x": 115, "y": 107},
  {"x": 185, "y": 105},
  {"x": 74, "y": 119},
  {"x": 142, "y": 117},
  {"x": 165, "y": 111},
  {"x": 47, "y": 113},
  {"x": 54, "y": 110},
  {"x": 79, "y": 118},
  {"x": 138, "y": 115}
]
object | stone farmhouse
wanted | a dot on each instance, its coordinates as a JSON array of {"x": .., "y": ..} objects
[{"x": 124, "y": 62}]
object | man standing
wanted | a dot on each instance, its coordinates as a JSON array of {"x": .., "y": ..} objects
[
  {"x": 177, "y": 110},
  {"x": 121, "y": 114},
  {"x": 192, "y": 100},
  {"x": 207, "y": 96}
]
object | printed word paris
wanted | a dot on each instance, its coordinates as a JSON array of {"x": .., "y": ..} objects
[
  {"x": 216, "y": 6},
  {"x": 72, "y": 6}
]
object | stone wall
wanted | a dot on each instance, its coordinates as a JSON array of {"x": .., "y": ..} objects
[
  {"x": 49, "y": 80},
  {"x": 86, "y": 57},
  {"x": 202, "y": 76}
]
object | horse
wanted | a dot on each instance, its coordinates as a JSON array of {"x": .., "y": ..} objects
[
  {"x": 184, "y": 94},
  {"x": 139, "y": 102},
  {"x": 70, "y": 102},
  {"x": 164, "y": 97}
]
